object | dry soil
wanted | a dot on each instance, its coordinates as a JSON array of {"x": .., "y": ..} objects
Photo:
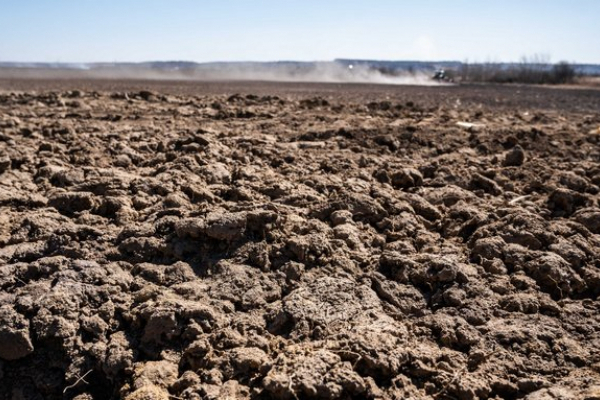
[{"x": 180, "y": 240}]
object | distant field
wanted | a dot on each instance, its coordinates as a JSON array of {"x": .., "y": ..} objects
[{"x": 581, "y": 98}]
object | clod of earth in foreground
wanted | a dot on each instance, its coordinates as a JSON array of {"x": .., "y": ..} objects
[
  {"x": 15, "y": 342},
  {"x": 515, "y": 157}
]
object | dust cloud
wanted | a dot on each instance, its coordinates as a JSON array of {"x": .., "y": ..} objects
[{"x": 324, "y": 72}]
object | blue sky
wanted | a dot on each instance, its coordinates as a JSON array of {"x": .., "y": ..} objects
[{"x": 261, "y": 30}]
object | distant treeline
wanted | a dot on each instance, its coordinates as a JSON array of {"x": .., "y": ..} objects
[
  {"x": 525, "y": 72},
  {"x": 531, "y": 70}
]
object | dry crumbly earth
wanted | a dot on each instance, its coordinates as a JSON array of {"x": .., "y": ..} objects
[{"x": 175, "y": 240}]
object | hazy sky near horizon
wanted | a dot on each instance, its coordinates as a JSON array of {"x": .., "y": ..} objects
[{"x": 269, "y": 30}]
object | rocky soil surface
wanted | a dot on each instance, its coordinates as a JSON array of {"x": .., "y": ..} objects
[{"x": 322, "y": 243}]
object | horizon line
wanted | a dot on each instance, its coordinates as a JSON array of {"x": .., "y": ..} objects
[{"x": 445, "y": 61}]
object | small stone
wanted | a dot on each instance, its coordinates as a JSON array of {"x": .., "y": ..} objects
[{"x": 515, "y": 157}]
